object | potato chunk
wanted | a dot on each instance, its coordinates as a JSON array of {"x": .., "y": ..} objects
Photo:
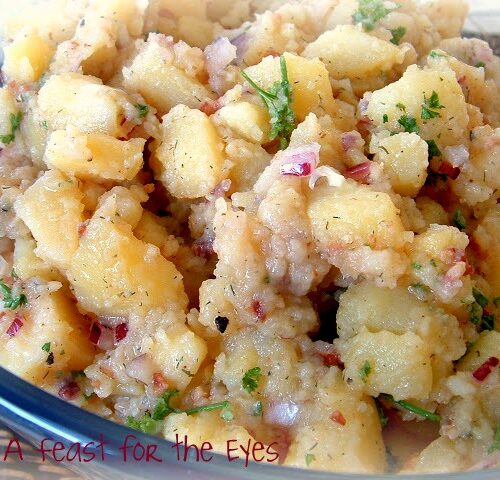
[
  {"x": 52, "y": 209},
  {"x": 399, "y": 365},
  {"x": 82, "y": 101},
  {"x": 352, "y": 216},
  {"x": 8, "y": 107},
  {"x": 27, "y": 264},
  {"x": 26, "y": 58},
  {"x": 409, "y": 94},
  {"x": 311, "y": 87},
  {"x": 162, "y": 81},
  {"x": 113, "y": 273},
  {"x": 95, "y": 156},
  {"x": 49, "y": 318},
  {"x": 488, "y": 345},
  {"x": 405, "y": 159},
  {"x": 190, "y": 159},
  {"x": 349, "y": 52}
]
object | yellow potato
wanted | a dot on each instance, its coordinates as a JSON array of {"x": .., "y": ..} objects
[
  {"x": 190, "y": 159},
  {"x": 27, "y": 264},
  {"x": 488, "y": 345},
  {"x": 95, "y": 156},
  {"x": 52, "y": 209},
  {"x": 310, "y": 85},
  {"x": 8, "y": 107},
  {"x": 26, "y": 58},
  {"x": 49, "y": 318}
]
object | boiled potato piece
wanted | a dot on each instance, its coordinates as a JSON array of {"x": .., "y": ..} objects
[
  {"x": 311, "y": 89},
  {"x": 95, "y": 156},
  {"x": 52, "y": 209},
  {"x": 27, "y": 264},
  {"x": 247, "y": 120},
  {"x": 405, "y": 159},
  {"x": 190, "y": 159},
  {"x": 83, "y": 102},
  {"x": 8, "y": 107},
  {"x": 352, "y": 216},
  {"x": 164, "y": 84},
  {"x": 26, "y": 58},
  {"x": 348, "y": 51},
  {"x": 114, "y": 273},
  {"x": 49, "y": 318},
  {"x": 409, "y": 94},
  {"x": 399, "y": 365},
  {"x": 178, "y": 352},
  {"x": 488, "y": 345},
  {"x": 358, "y": 444}
]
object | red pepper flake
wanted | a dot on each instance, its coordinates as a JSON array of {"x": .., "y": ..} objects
[
  {"x": 332, "y": 360},
  {"x": 485, "y": 369},
  {"x": 69, "y": 391},
  {"x": 95, "y": 333},
  {"x": 360, "y": 173},
  {"x": 15, "y": 326},
  {"x": 258, "y": 309},
  {"x": 121, "y": 332},
  {"x": 337, "y": 417},
  {"x": 449, "y": 170}
]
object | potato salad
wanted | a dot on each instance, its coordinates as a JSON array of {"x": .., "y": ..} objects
[{"x": 270, "y": 221}]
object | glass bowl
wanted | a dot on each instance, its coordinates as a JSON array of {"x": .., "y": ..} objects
[{"x": 35, "y": 415}]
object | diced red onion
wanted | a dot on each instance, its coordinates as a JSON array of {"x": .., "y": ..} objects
[
  {"x": 301, "y": 161},
  {"x": 15, "y": 326},
  {"x": 352, "y": 140},
  {"x": 360, "y": 173},
  {"x": 482, "y": 53},
  {"x": 209, "y": 107},
  {"x": 364, "y": 102},
  {"x": 457, "y": 155},
  {"x": 489, "y": 462},
  {"x": 111, "y": 321},
  {"x": 204, "y": 246},
  {"x": 102, "y": 336},
  {"x": 258, "y": 309},
  {"x": 141, "y": 368},
  {"x": 69, "y": 391},
  {"x": 337, "y": 417},
  {"x": 334, "y": 178},
  {"x": 121, "y": 332},
  {"x": 485, "y": 369},
  {"x": 449, "y": 170},
  {"x": 241, "y": 44},
  {"x": 332, "y": 360},
  {"x": 282, "y": 413},
  {"x": 219, "y": 54}
]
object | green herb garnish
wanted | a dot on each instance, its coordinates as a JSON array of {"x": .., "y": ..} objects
[
  {"x": 412, "y": 408},
  {"x": 480, "y": 298},
  {"x": 143, "y": 110},
  {"x": 409, "y": 123},
  {"x": 369, "y": 12},
  {"x": 435, "y": 54},
  {"x": 365, "y": 370},
  {"x": 430, "y": 106},
  {"x": 385, "y": 118},
  {"x": 433, "y": 149},
  {"x": 397, "y": 35},
  {"x": 496, "y": 440},
  {"x": 459, "y": 220},
  {"x": 416, "y": 266},
  {"x": 480, "y": 65},
  {"x": 8, "y": 300},
  {"x": 250, "y": 380},
  {"x": 384, "y": 420},
  {"x": 310, "y": 458},
  {"x": 15, "y": 121},
  {"x": 46, "y": 347},
  {"x": 278, "y": 100}
]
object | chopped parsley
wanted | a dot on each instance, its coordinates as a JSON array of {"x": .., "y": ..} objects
[
  {"x": 278, "y": 100},
  {"x": 369, "y": 12},
  {"x": 8, "y": 300},
  {"x": 496, "y": 440},
  {"x": 384, "y": 420},
  {"x": 459, "y": 220},
  {"x": 15, "y": 121},
  {"x": 436, "y": 54},
  {"x": 385, "y": 118},
  {"x": 365, "y": 370},
  {"x": 412, "y": 408},
  {"x": 46, "y": 347},
  {"x": 480, "y": 65},
  {"x": 227, "y": 414},
  {"x": 478, "y": 315},
  {"x": 401, "y": 106},
  {"x": 496, "y": 301},
  {"x": 409, "y": 123},
  {"x": 44, "y": 124},
  {"x": 250, "y": 380},
  {"x": 310, "y": 458},
  {"x": 397, "y": 35},
  {"x": 430, "y": 106},
  {"x": 149, "y": 422},
  {"x": 142, "y": 109},
  {"x": 433, "y": 149},
  {"x": 480, "y": 298}
]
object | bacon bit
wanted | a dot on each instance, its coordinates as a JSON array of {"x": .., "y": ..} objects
[
  {"x": 258, "y": 309},
  {"x": 203, "y": 247},
  {"x": 452, "y": 256},
  {"x": 360, "y": 173},
  {"x": 82, "y": 228},
  {"x": 446, "y": 168},
  {"x": 15, "y": 326},
  {"x": 351, "y": 140},
  {"x": 209, "y": 107},
  {"x": 337, "y": 417},
  {"x": 69, "y": 391},
  {"x": 469, "y": 269},
  {"x": 332, "y": 360},
  {"x": 95, "y": 333},
  {"x": 485, "y": 369},
  {"x": 159, "y": 383},
  {"x": 121, "y": 332}
]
